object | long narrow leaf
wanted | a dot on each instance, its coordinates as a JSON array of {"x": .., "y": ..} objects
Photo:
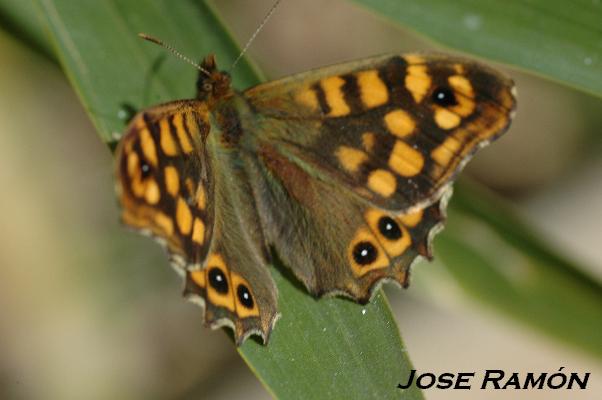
[
  {"x": 559, "y": 39},
  {"x": 330, "y": 346},
  {"x": 497, "y": 258},
  {"x": 20, "y": 18}
]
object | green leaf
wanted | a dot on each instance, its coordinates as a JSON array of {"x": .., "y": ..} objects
[
  {"x": 559, "y": 39},
  {"x": 330, "y": 347},
  {"x": 496, "y": 258},
  {"x": 109, "y": 65},
  {"x": 20, "y": 19}
]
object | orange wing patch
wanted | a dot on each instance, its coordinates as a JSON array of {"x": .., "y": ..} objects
[
  {"x": 350, "y": 159},
  {"x": 333, "y": 91},
  {"x": 399, "y": 123},
  {"x": 307, "y": 97},
  {"x": 418, "y": 81},
  {"x": 382, "y": 182},
  {"x": 405, "y": 160},
  {"x": 373, "y": 91}
]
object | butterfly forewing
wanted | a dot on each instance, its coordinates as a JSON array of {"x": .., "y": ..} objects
[
  {"x": 393, "y": 129},
  {"x": 165, "y": 180}
]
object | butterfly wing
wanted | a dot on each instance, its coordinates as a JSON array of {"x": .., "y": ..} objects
[
  {"x": 164, "y": 181},
  {"x": 395, "y": 130},
  {"x": 175, "y": 186},
  {"x": 333, "y": 242},
  {"x": 236, "y": 286}
]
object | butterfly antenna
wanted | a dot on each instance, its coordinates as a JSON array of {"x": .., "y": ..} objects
[
  {"x": 259, "y": 28},
  {"x": 174, "y": 51}
]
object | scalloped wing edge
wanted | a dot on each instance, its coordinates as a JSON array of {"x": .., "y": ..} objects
[
  {"x": 239, "y": 338},
  {"x": 376, "y": 285},
  {"x": 181, "y": 268},
  {"x": 179, "y": 265}
]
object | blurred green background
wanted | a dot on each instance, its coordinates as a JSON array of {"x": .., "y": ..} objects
[{"x": 85, "y": 316}]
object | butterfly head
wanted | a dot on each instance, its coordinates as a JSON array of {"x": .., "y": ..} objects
[{"x": 213, "y": 84}]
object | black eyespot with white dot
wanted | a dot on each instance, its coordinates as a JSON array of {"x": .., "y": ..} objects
[
  {"x": 389, "y": 228},
  {"x": 218, "y": 280},
  {"x": 444, "y": 96},
  {"x": 145, "y": 170},
  {"x": 364, "y": 253},
  {"x": 244, "y": 296}
]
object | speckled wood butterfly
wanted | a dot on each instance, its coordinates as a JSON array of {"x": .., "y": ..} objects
[{"x": 344, "y": 172}]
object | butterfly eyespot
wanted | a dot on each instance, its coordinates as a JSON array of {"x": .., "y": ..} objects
[
  {"x": 244, "y": 296},
  {"x": 389, "y": 228},
  {"x": 364, "y": 253},
  {"x": 145, "y": 170},
  {"x": 444, "y": 97},
  {"x": 207, "y": 87},
  {"x": 218, "y": 280}
]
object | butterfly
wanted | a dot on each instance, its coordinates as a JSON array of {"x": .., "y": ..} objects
[{"x": 343, "y": 173}]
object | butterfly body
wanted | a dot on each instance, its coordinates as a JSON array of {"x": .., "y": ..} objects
[{"x": 344, "y": 172}]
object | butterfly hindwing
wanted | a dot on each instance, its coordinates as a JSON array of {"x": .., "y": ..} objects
[
  {"x": 335, "y": 243},
  {"x": 235, "y": 284},
  {"x": 394, "y": 129}
]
